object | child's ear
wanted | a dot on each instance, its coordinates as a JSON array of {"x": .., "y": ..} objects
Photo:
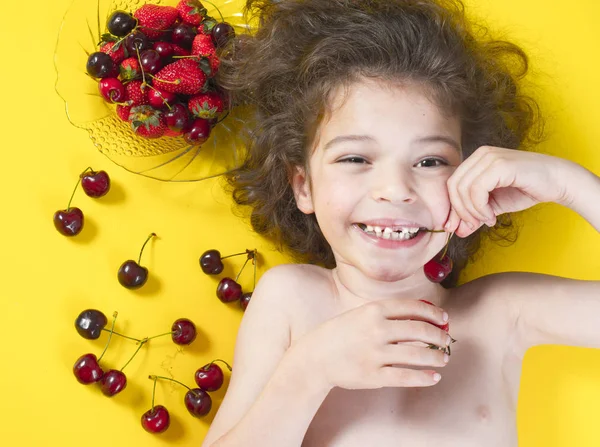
[{"x": 301, "y": 187}]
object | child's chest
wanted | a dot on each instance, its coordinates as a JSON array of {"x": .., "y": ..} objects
[{"x": 473, "y": 405}]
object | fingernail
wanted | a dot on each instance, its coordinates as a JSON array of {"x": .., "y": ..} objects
[
  {"x": 448, "y": 340},
  {"x": 447, "y": 226},
  {"x": 445, "y": 316},
  {"x": 470, "y": 225},
  {"x": 436, "y": 377},
  {"x": 446, "y": 358}
]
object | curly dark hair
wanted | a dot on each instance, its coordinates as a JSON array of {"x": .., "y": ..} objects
[{"x": 303, "y": 50}]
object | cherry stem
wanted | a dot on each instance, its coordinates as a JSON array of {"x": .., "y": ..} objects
[
  {"x": 219, "y": 360},
  {"x": 137, "y": 50},
  {"x": 238, "y": 275},
  {"x": 135, "y": 353},
  {"x": 109, "y": 336},
  {"x": 447, "y": 244},
  {"x": 89, "y": 168},
  {"x": 73, "y": 194},
  {"x": 173, "y": 380},
  {"x": 142, "y": 250},
  {"x": 215, "y": 6},
  {"x": 254, "y": 262},
  {"x": 121, "y": 335},
  {"x": 237, "y": 254},
  {"x": 176, "y": 81},
  {"x": 156, "y": 336},
  {"x": 153, "y": 392}
]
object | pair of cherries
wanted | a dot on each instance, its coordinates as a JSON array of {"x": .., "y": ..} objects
[{"x": 69, "y": 222}]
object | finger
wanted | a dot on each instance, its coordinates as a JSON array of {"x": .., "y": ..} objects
[
  {"x": 464, "y": 188},
  {"x": 499, "y": 177},
  {"x": 452, "y": 222},
  {"x": 406, "y": 355},
  {"x": 390, "y": 376},
  {"x": 464, "y": 230},
  {"x": 405, "y": 331},
  {"x": 409, "y": 309}
]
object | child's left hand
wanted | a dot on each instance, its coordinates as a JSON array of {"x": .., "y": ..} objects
[{"x": 494, "y": 181}]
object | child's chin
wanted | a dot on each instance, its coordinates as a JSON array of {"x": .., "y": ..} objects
[{"x": 387, "y": 273}]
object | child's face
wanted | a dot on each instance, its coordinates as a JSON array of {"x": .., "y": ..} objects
[{"x": 381, "y": 159}]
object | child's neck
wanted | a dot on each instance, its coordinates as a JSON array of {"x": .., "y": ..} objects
[{"x": 353, "y": 284}]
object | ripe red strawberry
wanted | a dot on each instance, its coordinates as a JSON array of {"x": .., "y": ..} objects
[
  {"x": 191, "y": 11},
  {"x": 206, "y": 105},
  {"x": 204, "y": 46},
  {"x": 184, "y": 76},
  {"x": 147, "y": 122},
  {"x": 123, "y": 112},
  {"x": 117, "y": 55},
  {"x": 135, "y": 94},
  {"x": 154, "y": 20},
  {"x": 130, "y": 69}
]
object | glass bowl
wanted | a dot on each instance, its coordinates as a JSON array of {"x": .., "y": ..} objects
[{"x": 165, "y": 158}]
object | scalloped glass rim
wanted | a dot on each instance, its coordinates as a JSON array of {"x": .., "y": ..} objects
[{"x": 166, "y": 159}]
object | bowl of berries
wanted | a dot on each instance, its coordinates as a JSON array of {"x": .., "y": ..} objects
[{"x": 140, "y": 77}]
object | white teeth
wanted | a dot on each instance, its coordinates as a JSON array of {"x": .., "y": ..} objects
[
  {"x": 387, "y": 233},
  {"x": 402, "y": 234},
  {"x": 377, "y": 230},
  {"x": 369, "y": 228}
]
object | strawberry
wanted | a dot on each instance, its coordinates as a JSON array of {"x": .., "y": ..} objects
[
  {"x": 206, "y": 105},
  {"x": 123, "y": 112},
  {"x": 117, "y": 55},
  {"x": 191, "y": 11},
  {"x": 147, "y": 122},
  {"x": 154, "y": 20},
  {"x": 130, "y": 69},
  {"x": 185, "y": 76},
  {"x": 203, "y": 46},
  {"x": 135, "y": 94}
]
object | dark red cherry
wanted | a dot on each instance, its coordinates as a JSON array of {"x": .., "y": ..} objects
[
  {"x": 209, "y": 377},
  {"x": 245, "y": 300},
  {"x": 198, "y": 132},
  {"x": 69, "y": 222},
  {"x": 178, "y": 118},
  {"x": 198, "y": 402},
  {"x": 228, "y": 290},
  {"x": 438, "y": 269},
  {"x": 89, "y": 323},
  {"x": 184, "y": 331},
  {"x": 156, "y": 420},
  {"x": 95, "y": 184},
  {"x": 113, "y": 382},
  {"x": 87, "y": 370},
  {"x": 211, "y": 263}
]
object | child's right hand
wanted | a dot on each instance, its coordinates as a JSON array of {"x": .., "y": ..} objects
[{"x": 357, "y": 349}]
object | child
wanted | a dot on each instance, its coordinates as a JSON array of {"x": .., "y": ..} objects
[{"x": 386, "y": 136}]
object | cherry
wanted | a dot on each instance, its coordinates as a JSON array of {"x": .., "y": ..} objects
[
  {"x": 198, "y": 132},
  {"x": 69, "y": 222},
  {"x": 211, "y": 263},
  {"x": 150, "y": 61},
  {"x": 87, "y": 370},
  {"x": 95, "y": 184},
  {"x": 100, "y": 65},
  {"x": 112, "y": 90},
  {"x": 120, "y": 23},
  {"x": 210, "y": 376},
  {"x": 160, "y": 99},
  {"x": 245, "y": 300},
  {"x": 183, "y": 35},
  {"x": 164, "y": 49},
  {"x": 437, "y": 269},
  {"x": 89, "y": 323},
  {"x": 137, "y": 41},
  {"x": 183, "y": 331},
  {"x": 198, "y": 402},
  {"x": 156, "y": 420},
  {"x": 222, "y": 33},
  {"x": 131, "y": 274},
  {"x": 113, "y": 382},
  {"x": 229, "y": 290},
  {"x": 178, "y": 118}
]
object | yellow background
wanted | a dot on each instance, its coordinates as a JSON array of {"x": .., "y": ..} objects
[{"x": 48, "y": 279}]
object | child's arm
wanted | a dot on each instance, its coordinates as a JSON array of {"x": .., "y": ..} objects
[
  {"x": 268, "y": 377},
  {"x": 550, "y": 310},
  {"x": 583, "y": 194}
]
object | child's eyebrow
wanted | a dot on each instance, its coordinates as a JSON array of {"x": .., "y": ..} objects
[{"x": 360, "y": 138}]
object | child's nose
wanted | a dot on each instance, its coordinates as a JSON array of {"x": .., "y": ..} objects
[{"x": 394, "y": 187}]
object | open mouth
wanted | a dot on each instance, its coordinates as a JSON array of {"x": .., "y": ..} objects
[{"x": 395, "y": 234}]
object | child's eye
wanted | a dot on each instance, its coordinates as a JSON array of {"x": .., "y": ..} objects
[
  {"x": 353, "y": 159},
  {"x": 430, "y": 162}
]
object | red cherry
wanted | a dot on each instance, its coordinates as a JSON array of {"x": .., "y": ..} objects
[
  {"x": 178, "y": 118},
  {"x": 113, "y": 382},
  {"x": 184, "y": 332},
  {"x": 198, "y": 402},
  {"x": 164, "y": 49},
  {"x": 95, "y": 184},
  {"x": 112, "y": 90},
  {"x": 87, "y": 370},
  {"x": 69, "y": 222},
  {"x": 159, "y": 99},
  {"x": 156, "y": 420},
  {"x": 228, "y": 290},
  {"x": 209, "y": 377},
  {"x": 211, "y": 263},
  {"x": 245, "y": 300},
  {"x": 198, "y": 132},
  {"x": 437, "y": 269}
]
